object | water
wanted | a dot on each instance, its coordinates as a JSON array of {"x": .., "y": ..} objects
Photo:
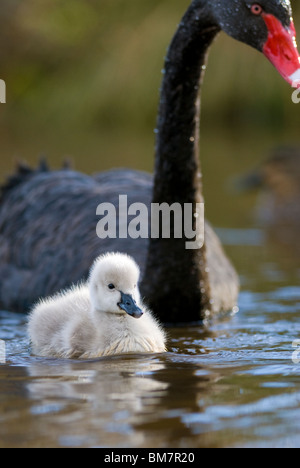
[{"x": 233, "y": 384}]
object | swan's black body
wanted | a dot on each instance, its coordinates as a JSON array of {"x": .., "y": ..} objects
[{"x": 48, "y": 219}]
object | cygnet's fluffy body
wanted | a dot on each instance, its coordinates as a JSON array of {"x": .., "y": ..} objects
[{"x": 103, "y": 317}]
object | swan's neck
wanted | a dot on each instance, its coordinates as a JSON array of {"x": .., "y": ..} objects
[
  {"x": 177, "y": 162},
  {"x": 176, "y": 278}
]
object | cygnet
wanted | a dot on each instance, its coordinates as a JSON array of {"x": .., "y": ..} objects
[{"x": 102, "y": 317}]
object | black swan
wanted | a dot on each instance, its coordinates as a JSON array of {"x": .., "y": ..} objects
[{"x": 48, "y": 219}]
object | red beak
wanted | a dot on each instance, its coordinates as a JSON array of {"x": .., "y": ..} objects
[{"x": 281, "y": 49}]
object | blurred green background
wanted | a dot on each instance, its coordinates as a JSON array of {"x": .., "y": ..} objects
[{"x": 83, "y": 80}]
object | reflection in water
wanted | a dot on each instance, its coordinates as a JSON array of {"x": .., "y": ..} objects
[
  {"x": 122, "y": 401},
  {"x": 132, "y": 397},
  {"x": 97, "y": 400}
]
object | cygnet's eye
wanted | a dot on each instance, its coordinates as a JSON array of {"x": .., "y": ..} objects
[{"x": 111, "y": 286}]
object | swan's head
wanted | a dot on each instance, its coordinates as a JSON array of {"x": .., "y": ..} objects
[
  {"x": 266, "y": 25},
  {"x": 113, "y": 285}
]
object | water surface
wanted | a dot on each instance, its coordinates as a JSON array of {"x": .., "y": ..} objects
[{"x": 233, "y": 384}]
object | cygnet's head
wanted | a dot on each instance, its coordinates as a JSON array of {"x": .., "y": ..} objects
[{"x": 113, "y": 285}]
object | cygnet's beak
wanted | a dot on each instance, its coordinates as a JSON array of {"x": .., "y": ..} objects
[{"x": 130, "y": 306}]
